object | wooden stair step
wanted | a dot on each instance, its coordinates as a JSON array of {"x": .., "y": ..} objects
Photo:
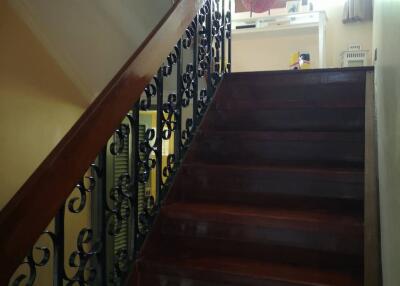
[
  {"x": 258, "y": 183},
  {"x": 183, "y": 246},
  {"x": 208, "y": 269},
  {"x": 261, "y": 148},
  {"x": 305, "y": 119},
  {"x": 278, "y": 79},
  {"x": 268, "y": 200},
  {"x": 318, "y": 230},
  {"x": 236, "y": 97}
]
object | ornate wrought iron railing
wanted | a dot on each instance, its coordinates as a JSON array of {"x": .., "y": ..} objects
[{"x": 98, "y": 232}]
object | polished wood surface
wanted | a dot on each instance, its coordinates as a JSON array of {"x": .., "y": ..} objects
[
  {"x": 265, "y": 199},
  {"x": 37, "y": 202},
  {"x": 285, "y": 185},
  {"x": 372, "y": 249},
  {"x": 260, "y": 148},
  {"x": 224, "y": 271}
]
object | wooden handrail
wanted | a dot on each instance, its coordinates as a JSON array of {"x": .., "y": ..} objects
[{"x": 37, "y": 202}]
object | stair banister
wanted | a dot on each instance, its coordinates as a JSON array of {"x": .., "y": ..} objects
[{"x": 38, "y": 201}]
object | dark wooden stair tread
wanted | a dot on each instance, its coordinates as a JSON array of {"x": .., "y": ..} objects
[
  {"x": 269, "y": 184},
  {"x": 350, "y": 174},
  {"x": 352, "y": 207},
  {"x": 321, "y": 96},
  {"x": 327, "y": 170},
  {"x": 332, "y": 148},
  {"x": 249, "y": 215},
  {"x": 271, "y": 190},
  {"x": 305, "y": 119},
  {"x": 184, "y": 246},
  {"x": 277, "y": 79},
  {"x": 307, "y": 229},
  {"x": 332, "y": 172},
  {"x": 239, "y": 271},
  {"x": 287, "y": 135}
]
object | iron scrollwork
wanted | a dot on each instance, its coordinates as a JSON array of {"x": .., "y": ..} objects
[
  {"x": 32, "y": 263},
  {"x": 82, "y": 260},
  {"x": 207, "y": 41}
]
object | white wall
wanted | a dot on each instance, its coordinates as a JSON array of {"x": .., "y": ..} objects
[
  {"x": 251, "y": 53},
  {"x": 91, "y": 40},
  {"x": 387, "y": 81}
]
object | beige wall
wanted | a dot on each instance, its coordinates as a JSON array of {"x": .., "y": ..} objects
[
  {"x": 38, "y": 103},
  {"x": 253, "y": 52},
  {"x": 339, "y": 35},
  {"x": 55, "y": 57},
  {"x": 91, "y": 40},
  {"x": 272, "y": 52},
  {"x": 387, "y": 89}
]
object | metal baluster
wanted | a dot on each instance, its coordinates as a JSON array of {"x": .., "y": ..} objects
[
  {"x": 98, "y": 218},
  {"x": 178, "y": 108},
  {"x": 136, "y": 236},
  {"x": 159, "y": 137},
  {"x": 217, "y": 48},
  {"x": 209, "y": 47},
  {"x": 58, "y": 270},
  {"x": 195, "y": 75},
  {"x": 223, "y": 38},
  {"x": 229, "y": 27}
]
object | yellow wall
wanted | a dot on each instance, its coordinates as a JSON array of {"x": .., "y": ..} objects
[{"x": 38, "y": 103}]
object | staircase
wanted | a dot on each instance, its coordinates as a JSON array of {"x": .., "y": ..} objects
[
  {"x": 183, "y": 173},
  {"x": 271, "y": 190}
]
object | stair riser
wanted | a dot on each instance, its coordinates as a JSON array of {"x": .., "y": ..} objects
[
  {"x": 154, "y": 274},
  {"x": 286, "y": 120},
  {"x": 263, "y": 252},
  {"x": 259, "y": 96},
  {"x": 159, "y": 275},
  {"x": 149, "y": 278},
  {"x": 210, "y": 181},
  {"x": 174, "y": 278},
  {"x": 300, "y": 79},
  {"x": 261, "y": 149},
  {"x": 352, "y": 207},
  {"x": 313, "y": 238}
]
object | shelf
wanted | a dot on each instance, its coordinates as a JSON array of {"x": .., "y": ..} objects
[
  {"x": 304, "y": 21},
  {"x": 278, "y": 29}
]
